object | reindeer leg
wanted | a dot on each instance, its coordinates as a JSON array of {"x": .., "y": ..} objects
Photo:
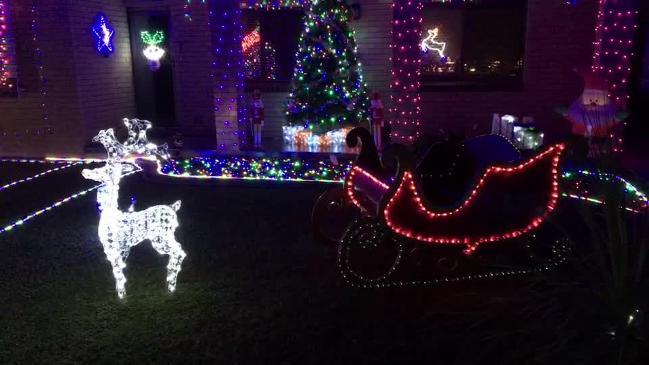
[
  {"x": 176, "y": 257},
  {"x": 169, "y": 246},
  {"x": 117, "y": 262}
]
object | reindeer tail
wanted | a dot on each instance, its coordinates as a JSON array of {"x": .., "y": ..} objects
[{"x": 175, "y": 206}]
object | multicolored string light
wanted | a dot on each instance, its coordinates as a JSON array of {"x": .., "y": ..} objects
[
  {"x": 617, "y": 23},
  {"x": 405, "y": 108},
  {"x": 274, "y": 4},
  {"x": 56, "y": 204},
  {"x": 36, "y": 176},
  {"x": 297, "y": 170},
  {"x": 244, "y": 168},
  {"x": 560, "y": 251},
  {"x": 25, "y": 160},
  {"x": 7, "y": 49},
  {"x": 328, "y": 89},
  {"x": 590, "y": 186},
  {"x": 270, "y": 61}
]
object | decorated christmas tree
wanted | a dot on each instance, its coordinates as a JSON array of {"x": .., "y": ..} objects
[{"x": 328, "y": 88}]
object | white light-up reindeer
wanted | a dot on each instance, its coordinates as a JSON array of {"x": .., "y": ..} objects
[
  {"x": 119, "y": 230},
  {"x": 430, "y": 44}
]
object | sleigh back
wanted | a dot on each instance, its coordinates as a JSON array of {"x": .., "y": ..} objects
[{"x": 505, "y": 202}]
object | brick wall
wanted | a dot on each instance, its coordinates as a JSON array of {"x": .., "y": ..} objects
[
  {"x": 22, "y": 119},
  {"x": 104, "y": 84},
  {"x": 86, "y": 92}
]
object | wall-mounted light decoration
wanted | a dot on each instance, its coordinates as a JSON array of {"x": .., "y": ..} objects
[
  {"x": 153, "y": 52},
  {"x": 250, "y": 41},
  {"x": 431, "y": 44},
  {"x": 7, "y": 50},
  {"x": 103, "y": 33}
]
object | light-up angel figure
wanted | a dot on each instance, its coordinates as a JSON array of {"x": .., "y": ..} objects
[
  {"x": 103, "y": 32},
  {"x": 121, "y": 230},
  {"x": 153, "y": 52},
  {"x": 430, "y": 44}
]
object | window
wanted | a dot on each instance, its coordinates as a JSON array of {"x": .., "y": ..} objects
[
  {"x": 473, "y": 45},
  {"x": 7, "y": 52},
  {"x": 269, "y": 45}
]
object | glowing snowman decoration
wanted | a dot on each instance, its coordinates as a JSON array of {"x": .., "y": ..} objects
[
  {"x": 153, "y": 52},
  {"x": 121, "y": 230}
]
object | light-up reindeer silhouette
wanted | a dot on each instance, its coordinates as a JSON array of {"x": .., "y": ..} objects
[
  {"x": 430, "y": 44},
  {"x": 119, "y": 230}
]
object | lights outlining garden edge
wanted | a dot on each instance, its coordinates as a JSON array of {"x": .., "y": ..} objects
[
  {"x": 56, "y": 204},
  {"x": 29, "y": 178},
  {"x": 152, "y": 51},
  {"x": 244, "y": 168}
]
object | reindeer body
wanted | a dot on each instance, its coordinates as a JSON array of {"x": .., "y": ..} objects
[{"x": 120, "y": 230}]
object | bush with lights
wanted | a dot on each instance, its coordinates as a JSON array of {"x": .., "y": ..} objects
[{"x": 328, "y": 90}]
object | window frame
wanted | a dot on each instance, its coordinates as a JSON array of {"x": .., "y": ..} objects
[{"x": 460, "y": 80}]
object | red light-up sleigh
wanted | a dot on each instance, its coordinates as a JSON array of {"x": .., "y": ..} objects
[{"x": 465, "y": 210}]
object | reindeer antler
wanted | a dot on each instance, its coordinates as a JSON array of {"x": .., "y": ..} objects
[
  {"x": 136, "y": 143},
  {"x": 137, "y": 140},
  {"x": 116, "y": 150}
]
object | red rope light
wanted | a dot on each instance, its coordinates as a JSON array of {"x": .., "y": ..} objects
[
  {"x": 415, "y": 226},
  {"x": 351, "y": 182}
]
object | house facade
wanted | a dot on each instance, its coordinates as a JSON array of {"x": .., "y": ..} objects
[{"x": 63, "y": 87}]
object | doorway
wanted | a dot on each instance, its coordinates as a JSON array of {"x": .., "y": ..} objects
[{"x": 154, "y": 86}]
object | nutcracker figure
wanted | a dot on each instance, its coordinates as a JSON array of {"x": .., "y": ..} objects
[
  {"x": 376, "y": 118},
  {"x": 257, "y": 117}
]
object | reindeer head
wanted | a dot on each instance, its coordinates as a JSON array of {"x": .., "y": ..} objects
[{"x": 109, "y": 174}]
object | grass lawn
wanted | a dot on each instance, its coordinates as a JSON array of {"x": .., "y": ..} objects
[{"x": 255, "y": 288}]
